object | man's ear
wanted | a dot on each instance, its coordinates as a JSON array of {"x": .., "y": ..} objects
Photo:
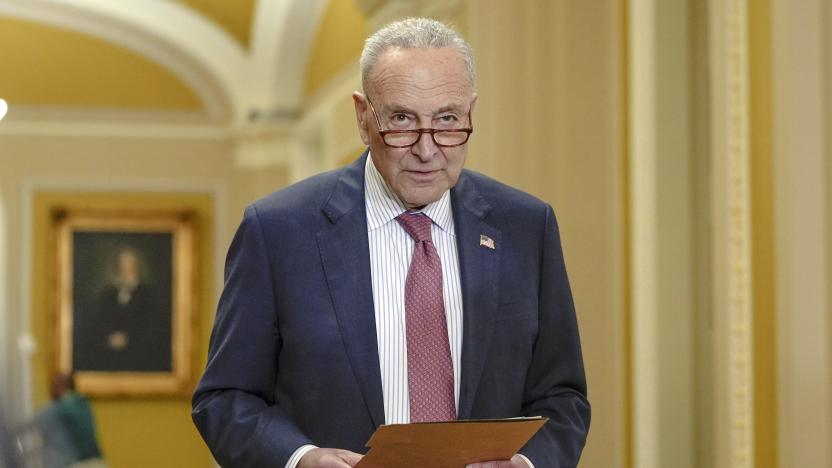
[
  {"x": 474, "y": 97},
  {"x": 360, "y": 102}
]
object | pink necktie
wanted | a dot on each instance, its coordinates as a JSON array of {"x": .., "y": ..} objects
[{"x": 430, "y": 373}]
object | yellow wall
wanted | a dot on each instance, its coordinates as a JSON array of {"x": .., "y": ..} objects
[{"x": 548, "y": 122}]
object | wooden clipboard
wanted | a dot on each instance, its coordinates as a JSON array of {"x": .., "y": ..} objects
[{"x": 451, "y": 444}]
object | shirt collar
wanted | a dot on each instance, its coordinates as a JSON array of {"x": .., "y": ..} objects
[{"x": 384, "y": 206}]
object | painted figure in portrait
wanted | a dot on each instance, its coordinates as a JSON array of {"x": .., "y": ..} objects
[{"x": 122, "y": 302}]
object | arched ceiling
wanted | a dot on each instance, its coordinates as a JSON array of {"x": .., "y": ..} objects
[
  {"x": 235, "y": 17},
  {"x": 51, "y": 66},
  {"x": 219, "y": 59}
]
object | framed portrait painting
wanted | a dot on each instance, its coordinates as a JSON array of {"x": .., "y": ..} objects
[{"x": 125, "y": 287}]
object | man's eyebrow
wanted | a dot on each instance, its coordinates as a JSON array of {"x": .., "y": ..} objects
[
  {"x": 450, "y": 108},
  {"x": 396, "y": 108}
]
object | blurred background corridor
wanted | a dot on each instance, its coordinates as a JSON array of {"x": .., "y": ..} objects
[{"x": 685, "y": 145}]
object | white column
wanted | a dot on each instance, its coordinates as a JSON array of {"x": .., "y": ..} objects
[
  {"x": 643, "y": 196},
  {"x": 733, "y": 422},
  {"x": 662, "y": 262}
]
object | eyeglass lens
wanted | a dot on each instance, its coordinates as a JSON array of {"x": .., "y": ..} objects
[{"x": 442, "y": 138}]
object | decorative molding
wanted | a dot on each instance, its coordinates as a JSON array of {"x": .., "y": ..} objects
[
  {"x": 732, "y": 209},
  {"x": 49, "y": 129},
  {"x": 46, "y": 122},
  {"x": 739, "y": 238}
]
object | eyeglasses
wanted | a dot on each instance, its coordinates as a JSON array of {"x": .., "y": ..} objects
[{"x": 406, "y": 138}]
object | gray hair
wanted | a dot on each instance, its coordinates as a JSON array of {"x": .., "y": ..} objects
[{"x": 413, "y": 33}]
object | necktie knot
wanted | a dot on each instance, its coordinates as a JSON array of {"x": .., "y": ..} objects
[{"x": 417, "y": 226}]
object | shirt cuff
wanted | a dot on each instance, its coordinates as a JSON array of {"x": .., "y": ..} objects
[
  {"x": 300, "y": 452},
  {"x": 525, "y": 459}
]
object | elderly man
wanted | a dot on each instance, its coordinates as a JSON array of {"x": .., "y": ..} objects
[{"x": 399, "y": 289}]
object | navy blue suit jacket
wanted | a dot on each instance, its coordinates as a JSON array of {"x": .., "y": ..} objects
[{"x": 293, "y": 357}]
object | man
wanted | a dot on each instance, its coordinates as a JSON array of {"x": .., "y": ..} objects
[{"x": 401, "y": 288}]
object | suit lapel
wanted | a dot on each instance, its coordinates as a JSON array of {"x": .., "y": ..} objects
[
  {"x": 346, "y": 260},
  {"x": 479, "y": 276}
]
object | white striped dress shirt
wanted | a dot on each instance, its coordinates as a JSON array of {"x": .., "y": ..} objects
[{"x": 391, "y": 249}]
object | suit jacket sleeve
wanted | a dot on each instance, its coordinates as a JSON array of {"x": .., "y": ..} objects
[
  {"x": 555, "y": 383},
  {"x": 234, "y": 405}
]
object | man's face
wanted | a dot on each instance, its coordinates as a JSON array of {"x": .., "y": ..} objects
[
  {"x": 128, "y": 267},
  {"x": 409, "y": 89}
]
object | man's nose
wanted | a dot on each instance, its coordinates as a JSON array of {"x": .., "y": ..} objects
[{"x": 425, "y": 147}]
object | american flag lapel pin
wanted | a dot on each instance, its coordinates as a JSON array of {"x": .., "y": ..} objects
[{"x": 486, "y": 241}]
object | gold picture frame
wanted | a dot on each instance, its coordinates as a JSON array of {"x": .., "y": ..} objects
[{"x": 125, "y": 300}]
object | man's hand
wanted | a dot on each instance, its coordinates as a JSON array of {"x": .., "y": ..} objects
[
  {"x": 515, "y": 462},
  {"x": 329, "y": 458}
]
